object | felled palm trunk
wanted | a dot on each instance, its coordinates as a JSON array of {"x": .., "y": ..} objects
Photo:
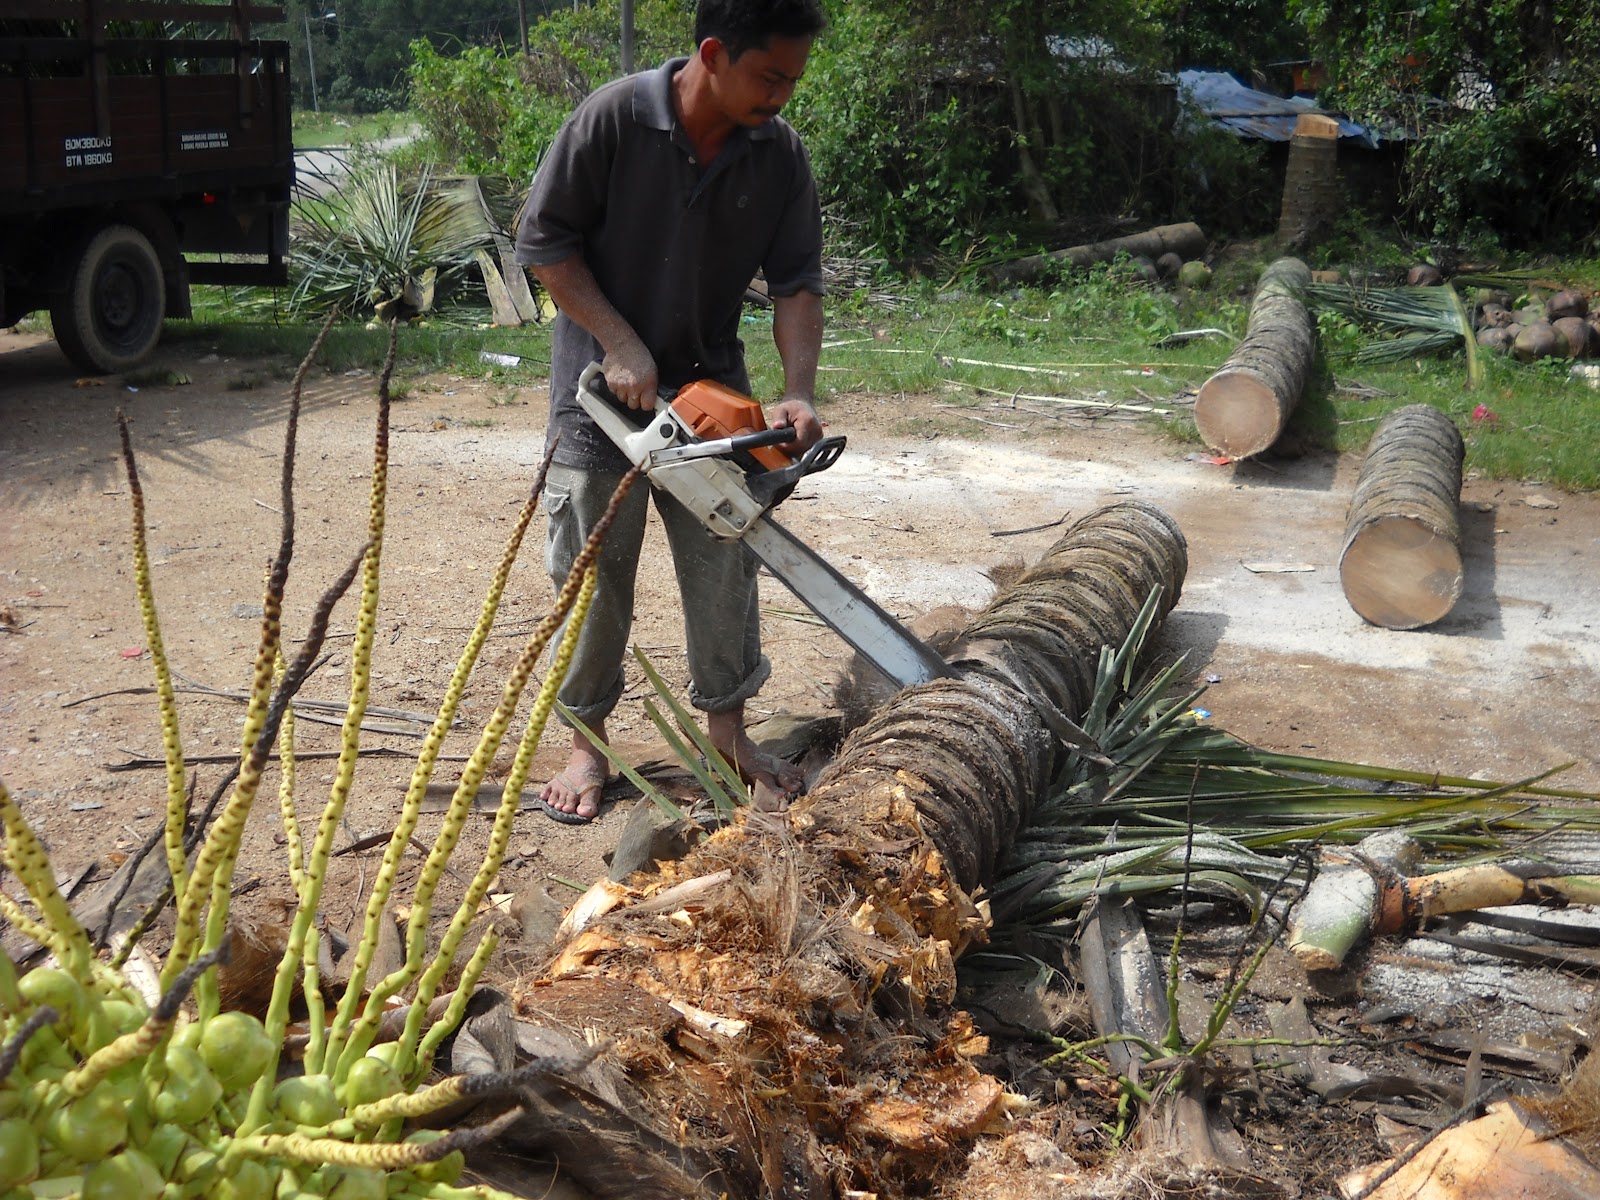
[
  {"x": 1243, "y": 408},
  {"x": 1401, "y": 563},
  {"x": 780, "y": 1002},
  {"x": 1186, "y": 240}
]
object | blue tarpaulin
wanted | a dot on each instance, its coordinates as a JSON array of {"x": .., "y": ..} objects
[{"x": 1254, "y": 114}]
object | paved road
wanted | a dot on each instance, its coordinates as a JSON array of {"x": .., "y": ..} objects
[{"x": 320, "y": 170}]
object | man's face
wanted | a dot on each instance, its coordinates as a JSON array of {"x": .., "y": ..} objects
[{"x": 753, "y": 89}]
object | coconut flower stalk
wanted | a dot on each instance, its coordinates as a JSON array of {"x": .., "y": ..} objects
[{"x": 104, "y": 1095}]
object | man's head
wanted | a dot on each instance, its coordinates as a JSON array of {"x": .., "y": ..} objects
[
  {"x": 742, "y": 25},
  {"x": 755, "y": 52}
]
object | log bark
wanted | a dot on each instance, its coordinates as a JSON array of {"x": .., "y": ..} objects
[
  {"x": 1401, "y": 563},
  {"x": 1185, "y": 240},
  {"x": 1242, "y": 409},
  {"x": 1311, "y": 182},
  {"x": 800, "y": 967}
]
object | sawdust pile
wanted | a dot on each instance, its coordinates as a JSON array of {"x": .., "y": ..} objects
[{"x": 781, "y": 1003}]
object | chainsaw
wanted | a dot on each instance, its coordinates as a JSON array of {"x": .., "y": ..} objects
[{"x": 710, "y": 449}]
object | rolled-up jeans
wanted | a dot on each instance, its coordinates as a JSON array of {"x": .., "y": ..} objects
[{"x": 716, "y": 584}]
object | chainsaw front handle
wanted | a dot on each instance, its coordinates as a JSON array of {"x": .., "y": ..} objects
[{"x": 769, "y": 487}]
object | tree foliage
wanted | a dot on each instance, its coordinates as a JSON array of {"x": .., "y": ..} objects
[
  {"x": 1503, "y": 99},
  {"x": 938, "y": 123},
  {"x": 491, "y": 110}
]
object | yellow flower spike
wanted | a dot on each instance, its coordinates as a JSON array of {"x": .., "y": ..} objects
[
  {"x": 407, "y": 1106},
  {"x": 24, "y": 924},
  {"x": 130, "y": 1047},
  {"x": 450, "y": 1021},
  {"x": 316, "y": 1023},
  {"x": 26, "y": 858},
  {"x": 471, "y": 776},
  {"x": 449, "y": 835},
  {"x": 316, "y": 865},
  {"x": 286, "y": 779},
  {"x": 221, "y": 847},
  {"x": 377, "y": 1156},
  {"x": 171, "y": 743},
  {"x": 427, "y": 758},
  {"x": 504, "y": 818},
  {"x": 10, "y": 998},
  {"x": 213, "y": 867}
]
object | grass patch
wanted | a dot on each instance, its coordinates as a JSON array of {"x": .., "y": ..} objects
[
  {"x": 1093, "y": 337},
  {"x": 1090, "y": 338},
  {"x": 449, "y": 341}
]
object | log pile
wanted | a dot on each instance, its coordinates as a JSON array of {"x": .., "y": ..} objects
[
  {"x": 1245, "y": 405},
  {"x": 1401, "y": 563}
]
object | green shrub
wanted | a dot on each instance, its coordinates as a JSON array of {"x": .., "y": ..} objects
[
  {"x": 1501, "y": 101},
  {"x": 489, "y": 110}
]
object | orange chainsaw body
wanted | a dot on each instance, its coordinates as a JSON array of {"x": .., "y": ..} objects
[{"x": 713, "y": 410}]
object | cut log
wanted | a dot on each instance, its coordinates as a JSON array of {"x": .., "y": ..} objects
[
  {"x": 1243, "y": 408},
  {"x": 1369, "y": 891},
  {"x": 1311, "y": 182},
  {"x": 1401, "y": 563},
  {"x": 1344, "y": 901},
  {"x": 1185, "y": 240}
]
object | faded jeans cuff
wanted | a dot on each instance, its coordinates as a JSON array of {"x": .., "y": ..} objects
[
  {"x": 737, "y": 697},
  {"x": 596, "y": 713}
]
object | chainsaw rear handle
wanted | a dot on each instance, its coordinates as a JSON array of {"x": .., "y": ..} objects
[{"x": 595, "y": 381}]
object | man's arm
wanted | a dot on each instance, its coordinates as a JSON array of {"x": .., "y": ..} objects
[
  {"x": 629, "y": 368},
  {"x": 797, "y": 332}
]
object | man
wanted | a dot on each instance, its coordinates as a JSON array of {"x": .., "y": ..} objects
[{"x": 653, "y": 209}]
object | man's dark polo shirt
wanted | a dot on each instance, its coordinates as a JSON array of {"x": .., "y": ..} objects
[{"x": 671, "y": 244}]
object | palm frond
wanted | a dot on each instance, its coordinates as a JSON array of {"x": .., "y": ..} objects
[
  {"x": 1187, "y": 805},
  {"x": 1424, "y": 320},
  {"x": 374, "y": 240}
]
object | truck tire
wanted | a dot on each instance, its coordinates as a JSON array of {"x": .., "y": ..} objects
[{"x": 110, "y": 317}]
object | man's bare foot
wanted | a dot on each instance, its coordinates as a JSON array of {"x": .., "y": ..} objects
[
  {"x": 576, "y": 789},
  {"x": 755, "y": 765}
]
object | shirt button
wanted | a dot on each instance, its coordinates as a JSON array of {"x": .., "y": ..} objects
[{"x": 692, "y": 160}]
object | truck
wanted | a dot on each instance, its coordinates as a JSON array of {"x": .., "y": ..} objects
[{"x": 145, "y": 146}]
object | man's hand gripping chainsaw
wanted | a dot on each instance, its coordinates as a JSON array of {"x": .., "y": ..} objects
[{"x": 711, "y": 451}]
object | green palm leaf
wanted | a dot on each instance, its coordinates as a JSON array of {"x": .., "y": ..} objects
[
  {"x": 377, "y": 240},
  {"x": 1187, "y": 805},
  {"x": 1422, "y": 320}
]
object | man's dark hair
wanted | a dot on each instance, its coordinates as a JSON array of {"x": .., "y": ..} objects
[{"x": 742, "y": 25}]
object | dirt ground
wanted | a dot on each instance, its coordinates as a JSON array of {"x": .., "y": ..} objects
[{"x": 923, "y": 502}]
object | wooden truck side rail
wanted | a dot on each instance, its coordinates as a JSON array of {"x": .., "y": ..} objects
[{"x": 123, "y": 114}]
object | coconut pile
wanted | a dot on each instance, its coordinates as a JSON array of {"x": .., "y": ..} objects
[{"x": 1549, "y": 325}]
